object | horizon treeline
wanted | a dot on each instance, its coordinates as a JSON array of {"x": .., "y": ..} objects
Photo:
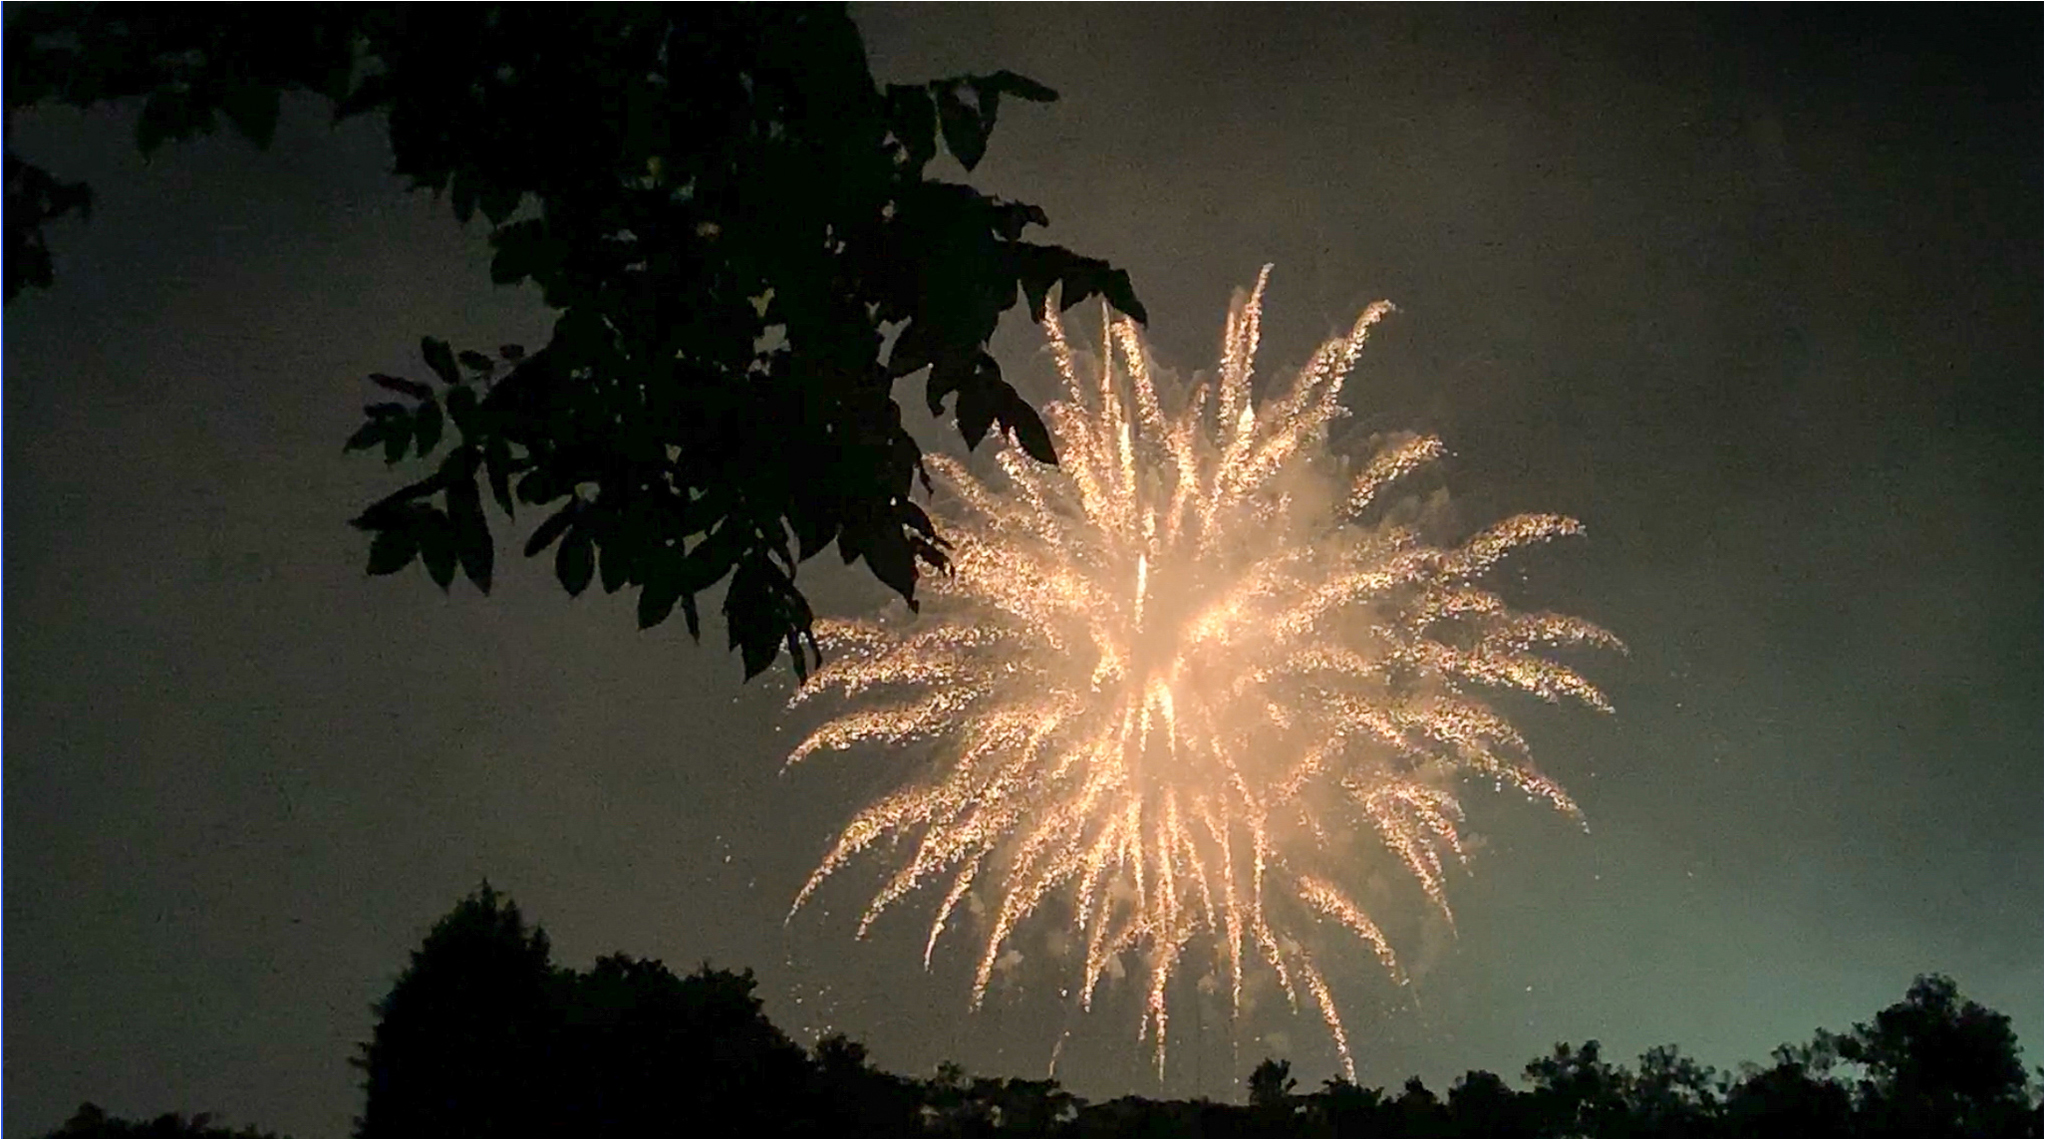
[{"x": 482, "y": 1034}]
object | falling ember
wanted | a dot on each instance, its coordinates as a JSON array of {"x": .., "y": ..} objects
[{"x": 1164, "y": 675}]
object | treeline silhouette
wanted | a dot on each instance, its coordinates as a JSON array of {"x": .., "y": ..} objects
[{"x": 483, "y": 1034}]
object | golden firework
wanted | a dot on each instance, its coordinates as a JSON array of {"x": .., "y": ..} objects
[{"x": 1168, "y": 679}]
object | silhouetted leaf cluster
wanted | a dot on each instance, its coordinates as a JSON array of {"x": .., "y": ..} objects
[
  {"x": 189, "y": 68},
  {"x": 733, "y": 221}
]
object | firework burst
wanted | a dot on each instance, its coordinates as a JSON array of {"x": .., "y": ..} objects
[{"x": 1170, "y": 681}]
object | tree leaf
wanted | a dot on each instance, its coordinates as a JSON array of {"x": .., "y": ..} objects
[
  {"x": 912, "y": 119},
  {"x": 1037, "y": 290},
  {"x": 975, "y": 407},
  {"x": 915, "y": 347},
  {"x": 615, "y": 559},
  {"x": 396, "y": 436},
  {"x": 472, "y": 542},
  {"x": 982, "y": 396},
  {"x": 461, "y": 407},
  {"x": 710, "y": 560},
  {"x": 1018, "y": 417},
  {"x": 692, "y": 616},
  {"x": 1115, "y": 286},
  {"x": 539, "y": 487},
  {"x": 436, "y": 546},
  {"x": 1010, "y": 219},
  {"x": 987, "y": 101},
  {"x": 1078, "y": 278},
  {"x": 545, "y": 534},
  {"x": 915, "y": 518},
  {"x": 965, "y": 132},
  {"x": 948, "y": 375},
  {"x": 889, "y": 556},
  {"x": 575, "y": 561},
  {"x": 1038, "y": 268},
  {"x": 441, "y": 359},
  {"x": 1082, "y": 277},
  {"x": 815, "y": 525},
  {"x": 401, "y": 386},
  {"x": 750, "y": 613},
  {"x": 497, "y": 460},
  {"x": 365, "y": 437},
  {"x": 426, "y": 426},
  {"x": 476, "y": 362},
  {"x": 392, "y": 550},
  {"x": 662, "y": 590},
  {"x": 399, "y": 505},
  {"x": 1020, "y": 86}
]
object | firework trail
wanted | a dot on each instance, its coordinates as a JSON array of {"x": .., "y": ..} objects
[{"x": 1169, "y": 680}]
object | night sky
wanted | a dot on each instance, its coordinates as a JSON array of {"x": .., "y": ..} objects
[{"x": 1759, "y": 302}]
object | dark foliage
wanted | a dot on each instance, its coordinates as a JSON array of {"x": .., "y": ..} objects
[
  {"x": 628, "y": 1048},
  {"x": 1272, "y": 1083},
  {"x": 625, "y": 1048},
  {"x": 1934, "y": 1064},
  {"x": 92, "y": 1120},
  {"x": 731, "y": 218},
  {"x": 483, "y": 1035},
  {"x": 1789, "y": 1098},
  {"x": 469, "y": 1037},
  {"x": 190, "y": 69},
  {"x": 631, "y": 1027}
]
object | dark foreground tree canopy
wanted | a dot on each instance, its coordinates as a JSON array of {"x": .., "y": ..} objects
[
  {"x": 734, "y": 223},
  {"x": 483, "y": 1035},
  {"x": 92, "y": 1120}
]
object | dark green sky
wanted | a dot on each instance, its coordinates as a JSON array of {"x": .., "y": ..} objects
[{"x": 1758, "y": 303}]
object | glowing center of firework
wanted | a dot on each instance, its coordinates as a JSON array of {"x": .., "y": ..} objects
[{"x": 1169, "y": 679}]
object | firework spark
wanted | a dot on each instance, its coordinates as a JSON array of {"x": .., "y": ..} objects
[{"x": 1170, "y": 680}]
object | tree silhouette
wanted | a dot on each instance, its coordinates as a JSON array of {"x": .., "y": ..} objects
[
  {"x": 92, "y": 1120},
  {"x": 735, "y": 224},
  {"x": 1418, "y": 1111},
  {"x": 648, "y": 1052},
  {"x": 1272, "y": 1082},
  {"x": 1482, "y": 1104},
  {"x": 958, "y": 1105},
  {"x": 858, "y": 1099},
  {"x": 1935, "y": 1064},
  {"x": 1792, "y": 1097},
  {"x": 483, "y": 1035},
  {"x": 1578, "y": 1094},
  {"x": 1343, "y": 1108},
  {"x": 468, "y": 1039}
]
